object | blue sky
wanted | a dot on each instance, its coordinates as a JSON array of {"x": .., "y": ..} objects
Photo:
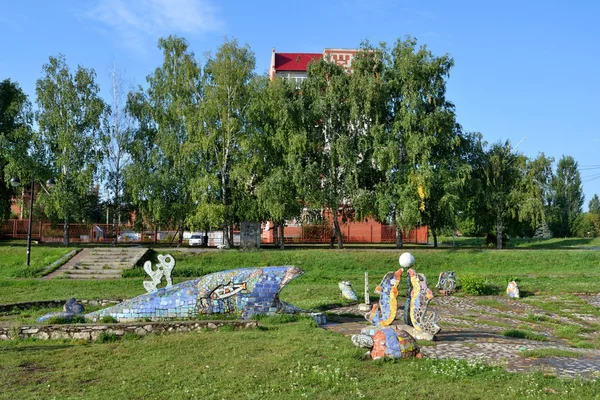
[{"x": 523, "y": 69}]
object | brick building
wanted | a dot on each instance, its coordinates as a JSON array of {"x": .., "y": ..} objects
[{"x": 294, "y": 65}]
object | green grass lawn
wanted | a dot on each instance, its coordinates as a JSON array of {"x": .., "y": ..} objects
[
  {"x": 279, "y": 361},
  {"x": 538, "y": 271},
  {"x": 523, "y": 243},
  {"x": 291, "y": 360},
  {"x": 12, "y": 259}
]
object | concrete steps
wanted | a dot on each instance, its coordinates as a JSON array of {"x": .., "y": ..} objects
[{"x": 99, "y": 263}]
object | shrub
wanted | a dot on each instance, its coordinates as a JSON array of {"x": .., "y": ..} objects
[
  {"x": 105, "y": 337},
  {"x": 108, "y": 319},
  {"x": 476, "y": 286}
]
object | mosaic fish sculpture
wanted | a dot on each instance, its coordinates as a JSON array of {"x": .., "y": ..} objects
[
  {"x": 446, "y": 282},
  {"x": 415, "y": 313},
  {"x": 384, "y": 313},
  {"x": 250, "y": 291},
  {"x": 384, "y": 340}
]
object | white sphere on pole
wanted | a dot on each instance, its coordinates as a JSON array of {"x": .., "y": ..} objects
[{"x": 407, "y": 260}]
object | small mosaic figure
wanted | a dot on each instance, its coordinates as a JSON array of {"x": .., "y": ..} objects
[
  {"x": 512, "y": 290},
  {"x": 446, "y": 283},
  {"x": 347, "y": 291},
  {"x": 165, "y": 265},
  {"x": 387, "y": 342},
  {"x": 73, "y": 306},
  {"x": 71, "y": 309},
  {"x": 416, "y": 312},
  {"x": 384, "y": 313}
]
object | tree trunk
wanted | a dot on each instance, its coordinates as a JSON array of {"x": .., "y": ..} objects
[
  {"x": 66, "y": 231},
  {"x": 398, "y": 237},
  {"x": 275, "y": 233},
  {"x": 281, "y": 237},
  {"x": 228, "y": 236},
  {"x": 435, "y": 241},
  {"x": 180, "y": 239},
  {"x": 336, "y": 232},
  {"x": 499, "y": 230}
]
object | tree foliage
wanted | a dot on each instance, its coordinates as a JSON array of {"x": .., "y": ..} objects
[
  {"x": 222, "y": 133},
  {"x": 567, "y": 197},
  {"x": 68, "y": 116},
  {"x": 16, "y": 119},
  {"x": 162, "y": 162}
]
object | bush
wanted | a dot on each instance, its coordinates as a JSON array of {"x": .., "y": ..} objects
[
  {"x": 105, "y": 337},
  {"x": 476, "y": 286},
  {"x": 108, "y": 319}
]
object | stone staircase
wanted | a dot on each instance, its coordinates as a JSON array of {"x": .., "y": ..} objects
[{"x": 99, "y": 263}]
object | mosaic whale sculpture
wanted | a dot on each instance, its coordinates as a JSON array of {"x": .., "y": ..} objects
[
  {"x": 384, "y": 313},
  {"x": 416, "y": 314},
  {"x": 250, "y": 291}
]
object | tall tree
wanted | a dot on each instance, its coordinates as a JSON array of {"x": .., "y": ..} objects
[
  {"x": 16, "y": 120},
  {"x": 162, "y": 164},
  {"x": 222, "y": 133},
  {"x": 567, "y": 198},
  {"x": 69, "y": 114},
  {"x": 329, "y": 176},
  {"x": 276, "y": 113},
  {"x": 511, "y": 188},
  {"x": 594, "y": 205},
  {"x": 118, "y": 127},
  {"x": 430, "y": 132}
]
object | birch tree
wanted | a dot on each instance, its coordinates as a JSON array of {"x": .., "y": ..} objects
[
  {"x": 162, "y": 164},
  {"x": 221, "y": 137},
  {"x": 69, "y": 115}
]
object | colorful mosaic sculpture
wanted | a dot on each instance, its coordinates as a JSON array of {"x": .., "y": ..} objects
[
  {"x": 446, "y": 283},
  {"x": 165, "y": 265},
  {"x": 384, "y": 313},
  {"x": 512, "y": 290},
  {"x": 387, "y": 342},
  {"x": 415, "y": 312},
  {"x": 249, "y": 291},
  {"x": 347, "y": 291},
  {"x": 71, "y": 309}
]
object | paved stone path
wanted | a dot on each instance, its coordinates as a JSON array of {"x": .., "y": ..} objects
[
  {"x": 472, "y": 331},
  {"x": 99, "y": 263}
]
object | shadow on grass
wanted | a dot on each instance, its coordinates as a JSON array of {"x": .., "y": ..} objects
[
  {"x": 24, "y": 349},
  {"x": 566, "y": 243}
]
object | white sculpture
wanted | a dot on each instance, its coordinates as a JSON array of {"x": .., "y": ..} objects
[{"x": 164, "y": 268}]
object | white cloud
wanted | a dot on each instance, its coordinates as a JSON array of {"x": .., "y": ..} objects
[{"x": 137, "y": 23}]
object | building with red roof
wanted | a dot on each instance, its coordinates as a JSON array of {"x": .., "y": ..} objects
[{"x": 294, "y": 65}]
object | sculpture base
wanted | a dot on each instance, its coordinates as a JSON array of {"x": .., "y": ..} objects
[{"x": 417, "y": 334}]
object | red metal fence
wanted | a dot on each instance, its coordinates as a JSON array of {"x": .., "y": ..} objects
[{"x": 352, "y": 232}]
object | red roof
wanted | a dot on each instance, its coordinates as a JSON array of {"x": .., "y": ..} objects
[{"x": 294, "y": 61}]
